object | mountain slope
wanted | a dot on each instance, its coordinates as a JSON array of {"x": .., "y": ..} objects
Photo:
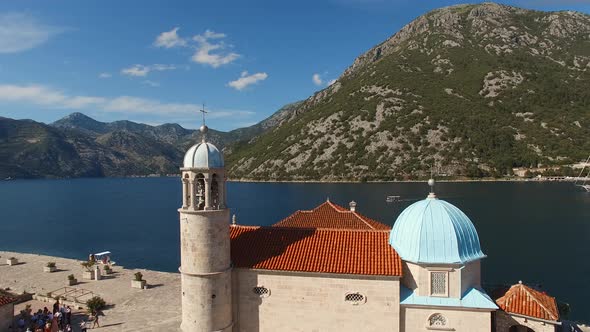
[
  {"x": 472, "y": 89},
  {"x": 79, "y": 146},
  {"x": 31, "y": 149}
]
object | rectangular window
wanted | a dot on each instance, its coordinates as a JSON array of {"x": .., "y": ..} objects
[{"x": 438, "y": 283}]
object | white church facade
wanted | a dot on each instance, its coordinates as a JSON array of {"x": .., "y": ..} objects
[{"x": 333, "y": 269}]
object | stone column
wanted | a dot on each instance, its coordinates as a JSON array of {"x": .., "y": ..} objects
[
  {"x": 193, "y": 192},
  {"x": 207, "y": 193},
  {"x": 221, "y": 189},
  {"x": 184, "y": 192}
]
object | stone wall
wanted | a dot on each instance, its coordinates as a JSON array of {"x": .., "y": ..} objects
[
  {"x": 470, "y": 276},
  {"x": 504, "y": 321},
  {"x": 460, "y": 277},
  {"x": 416, "y": 319},
  {"x": 300, "y": 301},
  {"x": 206, "y": 270},
  {"x": 6, "y": 315}
]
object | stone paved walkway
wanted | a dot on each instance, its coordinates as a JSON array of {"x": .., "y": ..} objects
[{"x": 154, "y": 309}]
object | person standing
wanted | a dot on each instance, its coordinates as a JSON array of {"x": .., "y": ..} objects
[
  {"x": 68, "y": 315},
  {"x": 95, "y": 322},
  {"x": 56, "y": 307}
]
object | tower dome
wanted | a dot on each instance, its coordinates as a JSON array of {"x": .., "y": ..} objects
[
  {"x": 204, "y": 154},
  {"x": 435, "y": 231}
]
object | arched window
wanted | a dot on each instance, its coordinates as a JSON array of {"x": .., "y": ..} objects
[
  {"x": 200, "y": 191},
  {"x": 437, "y": 320},
  {"x": 214, "y": 192},
  {"x": 355, "y": 298},
  {"x": 261, "y": 291}
]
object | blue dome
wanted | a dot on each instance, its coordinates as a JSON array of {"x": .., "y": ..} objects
[
  {"x": 203, "y": 155},
  {"x": 435, "y": 231}
]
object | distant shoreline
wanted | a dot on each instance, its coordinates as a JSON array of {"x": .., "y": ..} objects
[{"x": 553, "y": 179}]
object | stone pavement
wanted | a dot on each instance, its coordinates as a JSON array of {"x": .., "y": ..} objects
[{"x": 157, "y": 308}]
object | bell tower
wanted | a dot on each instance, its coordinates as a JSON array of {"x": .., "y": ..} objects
[{"x": 204, "y": 241}]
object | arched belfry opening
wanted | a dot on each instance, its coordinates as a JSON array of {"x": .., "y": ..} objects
[{"x": 200, "y": 191}]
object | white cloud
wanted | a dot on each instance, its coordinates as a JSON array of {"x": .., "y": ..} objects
[
  {"x": 170, "y": 39},
  {"x": 143, "y": 71},
  {"x": 246, "y": 80},
  {"x": 105, "y": 75},
  {"x": 52, "y": 98},
  {"x": 316, "y": 79},
  {"x": 21, "y": 32},
  {"x": 210, "y": 50},
  {"x": 151, "y": 83}
]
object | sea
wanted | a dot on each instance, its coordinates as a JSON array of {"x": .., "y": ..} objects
[{"x": 534, "y": 232}]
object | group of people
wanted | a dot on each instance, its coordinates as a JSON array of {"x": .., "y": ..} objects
[{"x": 56, "y": 320}]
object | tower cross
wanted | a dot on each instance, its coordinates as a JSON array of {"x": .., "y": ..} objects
[{"x": 203, "y": 111}]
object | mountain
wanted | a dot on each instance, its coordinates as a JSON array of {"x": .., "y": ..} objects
[
  {"x": 471, "y": 90},
  {"x": 79, "y": 146}
]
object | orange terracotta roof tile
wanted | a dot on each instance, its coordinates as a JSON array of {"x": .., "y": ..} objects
[
  {"x": 524, "y": 300},
  {"x": 6, "y": 300},
  {"x": 314, "y": 250},
  {"x": 330, "y": 215}
]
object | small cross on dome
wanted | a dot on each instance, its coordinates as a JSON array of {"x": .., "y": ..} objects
[{"x": 203, "y": 128}]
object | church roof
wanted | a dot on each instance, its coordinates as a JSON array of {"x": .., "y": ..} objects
[
  {"x": 434, "y": 231},
  {"x": 6, "y": 300},
  {"x": 330, "y": 215},
  {"x": 203, "y": 155},
  {"x": 523, "y": 300},
  {"x": 364, "y": 252}
]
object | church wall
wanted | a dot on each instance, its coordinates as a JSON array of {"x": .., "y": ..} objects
[
  {"x": 6, "y": 315},
  {"x": 301, "y": 301},
  {"x": 471, "y": 276},
  {"x": 504, "y": 321},
  {"x": 417, "y": 277},
  {"x": 416, "y": 319}
]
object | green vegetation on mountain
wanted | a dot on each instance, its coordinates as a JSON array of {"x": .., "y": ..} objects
[
  {"x": 472, "y": 89},
  {"x": 79, "y": 146}
]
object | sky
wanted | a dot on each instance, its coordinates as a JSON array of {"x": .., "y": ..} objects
[{"x": 158, "y": 61}]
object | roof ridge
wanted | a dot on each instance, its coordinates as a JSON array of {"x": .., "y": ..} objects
[
  {"x": 335, "y": 206},
  {"x": 332, "y": 229},
  {"x": 528, "y": 291},
  {"x": 362, "y": 219}
]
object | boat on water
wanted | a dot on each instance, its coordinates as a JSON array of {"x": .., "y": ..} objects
[
  {"x": 392, "y": 199},
  {"x": 583, "y": 180}
]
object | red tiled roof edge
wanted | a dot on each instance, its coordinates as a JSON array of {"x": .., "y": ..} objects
[
  {"x": 4, "y": 300},
  {"x": 548, "y": 310}
]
